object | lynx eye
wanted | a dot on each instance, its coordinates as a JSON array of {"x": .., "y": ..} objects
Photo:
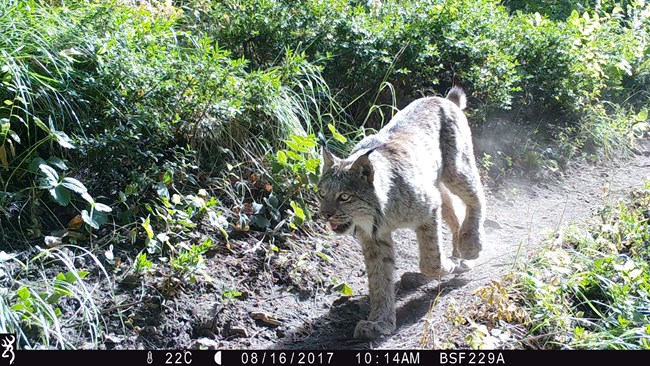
[
  {"x": 321, "y": 194},
  {"x": 344, "y": 197}
]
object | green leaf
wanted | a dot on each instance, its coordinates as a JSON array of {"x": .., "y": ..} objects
[
  {"x": 162, "y": 190},
  {"x": 55, "y": 297},
  {"x": 102, "y": 207},
  {"x": 260, "y": 222},
  {"x": 294, "y": 156},
  {"x": 74, "y": 185},
  {"x": 63, "y": 139},
  {"x": 72, "y": 277},
  {"x": 296, "y": 146},
  {"x": 336, "y": 135},
  {"x": 323, "y": 256},
  {"x": 298, "y": 210},
  {"x": 41, "y": 125},
  {"x": 23, "y": 293},
  {"x": 88, "y": 198},
  {"x": 147, "y": 227},
  {"x": 56, "y": 162},
  {"x": 50, "y": 175},
  {"x": 272, "y": 201},
  {"x": 4, "y": 129},
  {"x": 168, "y": 177},
  {"x": 131, "y": 189},
  {"x": 34, "y": 165},
  {"x": 281, "y": 157},
  {"x": 229, "y": 294},
  {"x": 643, "y": 115},
  {"x": 346, "y": 290},
  {"x": 61, "y": 195},
  {"x": 89, "y": 220}
]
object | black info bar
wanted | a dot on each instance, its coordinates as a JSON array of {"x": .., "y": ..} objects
[{"x": 314, "y": 357}]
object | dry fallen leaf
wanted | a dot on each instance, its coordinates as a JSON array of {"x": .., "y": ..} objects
[
  {"x": 3, "y": 157},
  {"x": 75, "y": 223}
]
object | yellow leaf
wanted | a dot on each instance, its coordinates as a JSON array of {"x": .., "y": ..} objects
[
  {"x": 12, "y": 149},
  {"x": 3, "y": 157}
]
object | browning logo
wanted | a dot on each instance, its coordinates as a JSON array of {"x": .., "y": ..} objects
[{"x": 7, "y": 343}]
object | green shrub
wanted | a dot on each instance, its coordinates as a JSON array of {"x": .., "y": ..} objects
[{"x": 592, "y": 293}]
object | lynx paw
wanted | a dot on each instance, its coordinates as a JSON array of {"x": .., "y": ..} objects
[
  {"x": 367, "y": 329},
  {"x": 462, "y": 265},
  {"x": 446, "y": 267},
  {"x": 470, "y": 245}
]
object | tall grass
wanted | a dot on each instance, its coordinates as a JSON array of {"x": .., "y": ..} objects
[{"x": 54, "y": 311}]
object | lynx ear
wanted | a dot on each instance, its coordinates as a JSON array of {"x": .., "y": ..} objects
[
  {"x": 363, "y": 166},
  {"x": 328, "y": 159}
]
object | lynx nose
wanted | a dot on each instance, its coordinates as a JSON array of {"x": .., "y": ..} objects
[{"x": 326, "y": 214}]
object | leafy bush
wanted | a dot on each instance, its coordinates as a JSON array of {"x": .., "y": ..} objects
[{"x": 592, "y": 293}]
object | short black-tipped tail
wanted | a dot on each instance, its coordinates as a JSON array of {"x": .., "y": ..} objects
[{"x": 457, "y": 95}]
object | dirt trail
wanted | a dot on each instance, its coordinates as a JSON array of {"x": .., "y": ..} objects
[{"x": 520, "y": 215}]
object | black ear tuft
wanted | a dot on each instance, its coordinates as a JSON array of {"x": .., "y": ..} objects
[
  {"x": 322, "y": 141},
  {"x": 327, "y": 159}
]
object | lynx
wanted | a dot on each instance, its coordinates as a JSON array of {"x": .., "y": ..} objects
[{"x": 406, "y": 176}]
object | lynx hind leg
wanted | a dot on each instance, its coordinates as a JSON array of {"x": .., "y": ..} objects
[
  {"x": 453, "y": 212},
  {"x": 465, "y": 183},
  {"x": 379, "y": 257},
  {"x": 433, "y": 263}
]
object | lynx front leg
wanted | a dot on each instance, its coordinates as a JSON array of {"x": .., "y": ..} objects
[
  {"x": 432, "y": 263},
  {"x": 453, "y": 213},
  {"x": 379, "y": 257}
]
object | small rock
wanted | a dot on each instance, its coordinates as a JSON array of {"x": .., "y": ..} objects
[
  {"x": 493, "y": 224},
  {"x": 205, "y": 344},
  {"x": 130, "y": 280},
  {"x": 87, "y": 346},
  {"x": 241, "y": 331},
  {"x": 113, "y": 339},
  {"x": 53, "y": 241},
  {"x": 412, "y": 280},
  {"x": 266, "y": 318}
]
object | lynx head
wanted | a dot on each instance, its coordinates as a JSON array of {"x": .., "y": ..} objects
[{"x": 346, "y": 192}]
